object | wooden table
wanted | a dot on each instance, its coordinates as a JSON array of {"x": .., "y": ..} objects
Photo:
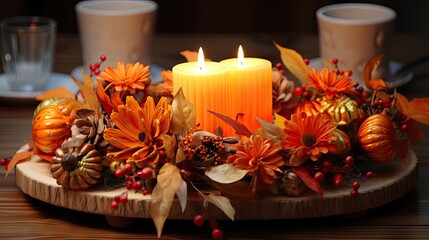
[{"x": 22, "y": 217}]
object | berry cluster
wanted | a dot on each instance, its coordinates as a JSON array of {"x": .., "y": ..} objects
[
  {"x": 95, "y": 67},
  {"x": 216, "y": 232},
  {"x": 337, "y": 172},
  {"x": 4, "y": 162},
  {"x": 120, "y": 199},
  {"x": 135, "y": 179},
  {"x": 207, "y": 152}
]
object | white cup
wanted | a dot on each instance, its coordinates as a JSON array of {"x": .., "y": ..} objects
[
  {"x": 354, "y": 33},
  {"x": 120, "y": 30},
  {"x": 27, "y": 53}
]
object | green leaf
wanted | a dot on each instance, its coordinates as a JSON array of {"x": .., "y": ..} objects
[
  {"x": 168, "y": 183},
  {"x": 183, "y": 115}
]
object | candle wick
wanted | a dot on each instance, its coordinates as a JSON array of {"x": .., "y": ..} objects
[
  {"x": 241, "y": 63},
  {"x": 201, "y": 68}
]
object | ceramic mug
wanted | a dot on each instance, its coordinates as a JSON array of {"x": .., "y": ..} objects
[
  {"x": 354, "y": 33},
  {"x": 120, "y": 30}
]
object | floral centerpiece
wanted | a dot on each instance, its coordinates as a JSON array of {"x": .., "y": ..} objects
[{"x": 138, "y": 135}]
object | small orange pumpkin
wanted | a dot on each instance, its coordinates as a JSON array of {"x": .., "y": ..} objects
[
  {"x": 67, "y": 105},
  {"x": 311, "y": 107},
  {"x": 377, "y": 138},
  {"x": 50, "y": 128}
]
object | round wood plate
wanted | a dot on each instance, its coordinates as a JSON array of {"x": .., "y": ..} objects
[{"x": 390, "y": 182}]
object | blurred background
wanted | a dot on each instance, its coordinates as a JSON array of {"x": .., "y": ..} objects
[{"x": 215, "y": 16}]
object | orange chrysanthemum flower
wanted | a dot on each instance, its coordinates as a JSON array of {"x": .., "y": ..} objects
[
  {"x": 139, "y": 131},
  {"x": 332, "y": 84},
  {"x": 260, "y": 157},
  {"x": 127, "y": 78},
  {"x": 308, "y": 136}
]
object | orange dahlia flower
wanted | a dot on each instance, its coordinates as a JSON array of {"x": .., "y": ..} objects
[
  {"x": 260, "y": 157},
  {"x": 308, "y": 136},
  {"x": 127, "y": 78},
  {"x": 331, "y": 83},
  {"x": 139, "y": 133}
]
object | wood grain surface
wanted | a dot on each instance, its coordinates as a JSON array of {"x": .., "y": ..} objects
[{"x": 24, "y": 217}]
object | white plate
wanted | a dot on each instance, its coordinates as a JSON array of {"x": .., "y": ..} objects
[
  {"x": 393, "y": 69},
  {"x": 55, "y": 80},
  {"x": 155, "y": 71}
]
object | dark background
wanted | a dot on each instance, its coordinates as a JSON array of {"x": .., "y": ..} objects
[{"x": 214, "y": 16}]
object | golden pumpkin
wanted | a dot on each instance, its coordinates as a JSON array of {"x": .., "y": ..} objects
[
  {"x": 76, "y": 167},
  {"x": 343, "y": 111},
  {"x": 311, "y": 107},
  {"x": 50, "y": 128},
  {"x": 377, "y": 138},
  {"x": 67, "y": 105}
]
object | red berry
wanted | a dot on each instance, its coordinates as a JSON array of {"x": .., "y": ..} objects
[
  {"x": 97, "y": 71},
  {"x": 369, "y": 174},
  {"x": 365, "y": 95},
  {"x": 298, "y": 91},
  {"x": 97, "y": 65},
  {"x": 91, "y": 67},
  {"x": 137, "y": 185},
  {"x": 354, "y": 193},
  {"x": 350, "y": 160},
  {"x": 306, "y": 61},
  {"x": 349, "y": 72},
  {"x": 145, "y": 173},
  {"x": 145, "y": 192},
  {"x": 307, "y": 94},
  {"x": 356, "y": 185},
  {"x": 129, "y": 185},
  {"x": 338, "y": 176},
  {"x": 327, "y": 166},
  {"x": 338, "y": 182},
  {"x": 340, "y": 72},
  {"x": 128, "y": 168},
  {"x": 199, "y": 220},
  {"x": 404, "y": 127},
  {"x": 282, "y": 72},
  {"x": 213, "y": 224},
  {"x": 3, "y": 162},
  {"x": 119, "y": 173},
  {"x": 217, "y": 233},
  {"x": 360, "y": 89},
  {"x": 103, "y": 58},
  {"x": 116, "y": 198},
  {"x": 319, "y": 176},
  {"x": 114, "y": 205},
  {"x": 123, "y": 199},
  {"x": 335, "y": 61},
  {"x": 279, "y": 66}
]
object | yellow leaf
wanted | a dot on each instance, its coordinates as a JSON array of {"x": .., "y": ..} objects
[
  {"x": 223, "y": 203},
  {"x": 183, "y": 114},
  {"x": 168, "y": 183},
  {"x": 170, "y": 145},
  {"x": 61, "y": 92},
  {"x": 280, "y": 121},
  {"x": 294, "y": 62},
  {"x": 225, "y": 173},
  {"x": 89, "y": 93}
]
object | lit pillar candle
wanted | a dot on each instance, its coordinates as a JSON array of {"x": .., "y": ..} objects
[
  {"x": 250, "y": 89},
  {"x": 204, "y": 84}
]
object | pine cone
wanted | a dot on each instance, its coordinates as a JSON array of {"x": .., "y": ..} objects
[
  {"x": 283, "y": 99},
  {"x": 89, "y": 128},
  {"x": 290, "y": 184},
  {"x": 76, "y": 167}
]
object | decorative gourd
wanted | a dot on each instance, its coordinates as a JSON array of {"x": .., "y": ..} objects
[
  {"x": 50, "y": 128},
  {"x": 67, "y": 105},
  {"x": 343, "y": 111},
  {"x": 342, "y": 144},
  {"x": 311, "y": 107},
  {"x": 377, "y": 138},
  {"x": 76, "y": 167}
]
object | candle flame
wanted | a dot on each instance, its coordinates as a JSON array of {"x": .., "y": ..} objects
[
  {"x": 240, "y": 56},
  {"x": 201, "y": 59}
]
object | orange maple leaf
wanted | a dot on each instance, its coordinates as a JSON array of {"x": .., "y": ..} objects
[{"x": 417, "y": 109}]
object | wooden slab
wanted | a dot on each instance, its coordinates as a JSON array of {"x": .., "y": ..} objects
[{"x": 390, "y": 182}]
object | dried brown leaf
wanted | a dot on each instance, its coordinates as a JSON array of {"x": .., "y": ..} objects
[
  {"x": 223, "y": 203},
  {"x": 294, "y": 62},
  {"x": 183, "y": 114},
  {"x": 168, "y": 183},
  {"x": 88, "y": 89},
  {"x": 273, "y": 131}
]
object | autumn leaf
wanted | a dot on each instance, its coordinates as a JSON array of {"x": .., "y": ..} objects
[
  {"x": 417, "y": 109},
  {"x": 88, "y": 90},
  {"x": 223, "y": 203},
  {"x": 61, "y": 92},
  {"x": 370, "y": 66},
  {"x": 239, "y": 128},
  {"x": 294, "y": 63},
  {"x": 308, "y": 180},
  {"x": 273, "y": 131},
  {"x": 279, "y": 121},
  {"x": 183, "y": 114},
  {"x": 225, "y": 173},
  {"x": 414, "y": 133},
  {"x": 17, "y": 158},
  {"x": 182, "y": 194},
  {"x": 168, "y": 183},
  {"x": 170, "y": 146}
]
